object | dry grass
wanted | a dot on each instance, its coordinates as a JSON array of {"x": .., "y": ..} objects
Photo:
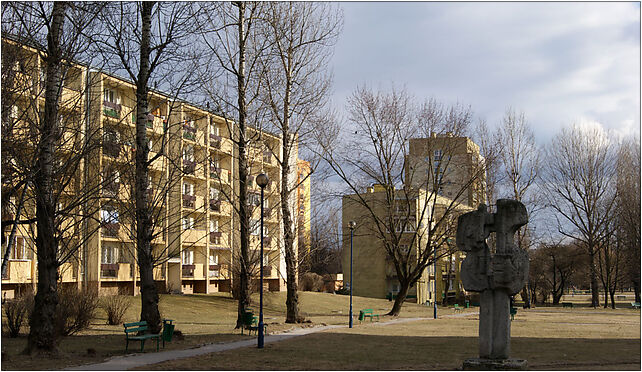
[
  {"x": 202, "y": 319},
  {"x": 571, "y": 339}
]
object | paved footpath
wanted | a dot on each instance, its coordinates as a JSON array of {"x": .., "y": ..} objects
[{"x": 121, "y": 363}]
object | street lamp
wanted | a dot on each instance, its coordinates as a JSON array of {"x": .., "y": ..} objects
[
  {"x": 435, "y": 287},
  {"x": 261, "y": 180},
  {"x": 351, "y": 225}
]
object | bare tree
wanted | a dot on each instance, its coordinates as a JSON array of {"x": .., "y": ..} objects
[
  {"x": 581, "y": 167},
  {"x": 410, "y": 216},
  {"x": 147, "y": 41},
  {"x": 628, "y": 209},
  {"x": 296, "y": 87},
  {"x": 520, "y": 162},
  {"x": 231, "y": 80}
]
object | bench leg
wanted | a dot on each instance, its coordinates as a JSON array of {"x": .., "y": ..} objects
[
  {"x": 126, "y": 345},
  {"x": 142, "y": 345},
  {"x": 157, "y": 342}
]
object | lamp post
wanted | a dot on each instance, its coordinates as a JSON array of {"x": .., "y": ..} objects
[
  {"x": 261, "y": 180},
  {"x": 435, "y": 286},
  {"x": 351, "y": 225}
]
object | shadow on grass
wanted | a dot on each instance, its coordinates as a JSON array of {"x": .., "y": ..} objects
[
  {"x": 89, "y": 349},
  {"x": 346, "y": 351}
]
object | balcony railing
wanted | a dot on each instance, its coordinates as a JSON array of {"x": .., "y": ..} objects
[
  {"x": 110, "y": 229},
  {"x": 215, "y": 141},
  {"x": 189, "y": 132},
  {"x": 215, "y": 205},
  {"x": 215, "y": 172},
  {"x": 188, "y": 271},
  {"x": 109, "y": 270},
  {"x": 111, "y": 148},
  {"x": 267, "y": 240},
  {"x": 188, "y": 201},
  {"x": 215, "y": 237},
  {"x": 5, "y": 276},
  {"x": 214, "y": 270},
  {"x": 188, "y": 166},
  {"x": 112, "y": 109},
  {"x": 148, "y": 124}
]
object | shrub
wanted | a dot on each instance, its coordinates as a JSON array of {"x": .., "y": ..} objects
[
  {"x": 75, "y": 310},
  {"x": 115, "y": 307},
  {"x": 312, "y": 282},
  {"x": 16, "y": 312}
]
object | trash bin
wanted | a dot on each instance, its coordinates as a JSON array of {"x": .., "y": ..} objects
[{"x": 467, "y": 304}]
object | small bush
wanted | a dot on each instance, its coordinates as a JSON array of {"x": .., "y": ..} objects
[
  {"x": 16, "y": 312},
  {"x": 115, "y": 307},
  {"x": 75, "y": 310},
  {"x": 312, "y": 282}
]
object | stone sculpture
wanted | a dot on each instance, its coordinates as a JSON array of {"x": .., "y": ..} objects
[{"x": 497, "y": 275}]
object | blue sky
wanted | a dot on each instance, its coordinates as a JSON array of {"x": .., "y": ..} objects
[{"x": 558, "y": 62}]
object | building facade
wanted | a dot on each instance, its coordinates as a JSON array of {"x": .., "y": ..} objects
[
  {"x": 444, "y": 171},
  {"x": 193, "y": 190}
]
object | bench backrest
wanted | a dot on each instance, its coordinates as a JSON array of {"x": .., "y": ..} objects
[
  {"x": 367, "y": 311},
  {"x": 135, "y": 327},
  {"x": 248, "y": 318}
]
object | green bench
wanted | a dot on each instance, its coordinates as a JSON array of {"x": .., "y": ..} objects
[
  {"x": 131, "y": 334},
  {"x": 251, "y": 323},
  {"x": 367, "y": 313},
  {"x": 567, "y": 304},
  {"x": 458, "y": 308},
  {"x": 513, "y": 312},
  {"x": 635, "y": 305}
]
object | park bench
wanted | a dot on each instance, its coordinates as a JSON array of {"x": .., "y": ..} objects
[
  {"x": 567, "y": 304},
  {"x": 620, "y": 297},
  {"x": 635, "y": 305},
  {"x": 367, "y": 313},
  {"x": 513, "y": 312},
  {"x": 131, "y": 333},
  {"x": 458, "y": 308},
  {"x": 251, "y": 323}
]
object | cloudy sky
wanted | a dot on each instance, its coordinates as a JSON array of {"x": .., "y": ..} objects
[{"x": 558, "y": 62}]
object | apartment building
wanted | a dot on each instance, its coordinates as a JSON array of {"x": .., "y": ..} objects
[
  {"x": 193, "y": 188},
  {"x": 454, "y": 161}
]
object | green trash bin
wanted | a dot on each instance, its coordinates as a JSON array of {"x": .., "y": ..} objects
[
  {"x": 168, "y": 331},
  {"x": 361, "y": 317},
  {"x": 467, "y": 304}
]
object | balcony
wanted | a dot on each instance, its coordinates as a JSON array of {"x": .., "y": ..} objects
[
  {"x": 187, "y": 271},
  {"x": 111, "y": 188},
  {"x": 194, "y": 236},
  {"x": 109, "y": 270},
  {"x": 110, "y": 230},
  {"x": 214, "y": 271},
  {"x": 189, "y": 166},
  {"x": 188, "y": 201},
  {"x": 267, "y": 270},
  {"x": 215, "y": 237},
  {"x": 215, "y": 141},
  {"x": 189, "y": 132},
  {"x": 149, "y": 123},
  {"x": 215, "y": 172},
  {"x": 112, "y": 148},
  {"x": 215, "y": 205},
  {"x": 18, "y": 271},
  {"x": 112, "y": 109}
]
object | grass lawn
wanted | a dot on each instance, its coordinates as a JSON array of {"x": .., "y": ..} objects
[
  {"x": 202, "y": 319},
  {"x": 576, "y": 339}
]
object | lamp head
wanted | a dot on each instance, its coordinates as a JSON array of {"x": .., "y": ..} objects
[
  {"x": 262, "y": 180},
  {"x": 352, "y": 225}
]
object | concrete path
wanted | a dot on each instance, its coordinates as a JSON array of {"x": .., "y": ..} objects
[{"x": 121, "y": 363}]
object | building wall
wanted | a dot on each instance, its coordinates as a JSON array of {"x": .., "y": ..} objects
[{"x": 200, "y": 254}]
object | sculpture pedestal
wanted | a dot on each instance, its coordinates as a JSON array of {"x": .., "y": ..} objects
[{"x": 483, "y": 364}]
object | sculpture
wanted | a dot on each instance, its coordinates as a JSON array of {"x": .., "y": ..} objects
[{"x": 496, "y": 275}]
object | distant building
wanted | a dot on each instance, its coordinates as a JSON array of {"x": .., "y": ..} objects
[
  {"x": 455, "y": 159},
  {"x": 303, "y": 219}
]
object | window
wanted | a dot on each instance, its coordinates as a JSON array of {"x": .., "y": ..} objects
[
  {"x": 110, "y": 95},
  {"x": 215, "y": 162},
  {"x": 14, "y": 112},
  {"x": 214, "y": 193},
  {"x": 19, "y": 249},
  {"x": 214, "y": 226},
  {"x": 110, "y": 255},
  {"x": 255, "y": 226},
  {"x": 188, "y": 257},
  {"x": 188, "y": 153},
  {"x": 188, "y": 223},
  {"x": 188, "y": 189},
  {"x": 438, "y": 155},
  {"x": 402, "y": 225},
  {"x": 266, "y": 260},
  {"x": 253, "y": 199},
  {"x": 109, "y": 215},
  {"x": 265, "y": 230},
  {"x": 213, "y": 259},
  {"x": 214, "y": 129}
]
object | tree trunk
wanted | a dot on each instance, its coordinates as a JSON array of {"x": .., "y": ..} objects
[
  {"x": 636, "y": 288},
  {"x": 42, "y": 333},
  {"x": 595, "y": 292},
  {"x": 404, "y": 287},
  {"x": 149, "y": 293},
  {"x": 526, "y": 297},
  {"x": 243, "y": 279}
]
